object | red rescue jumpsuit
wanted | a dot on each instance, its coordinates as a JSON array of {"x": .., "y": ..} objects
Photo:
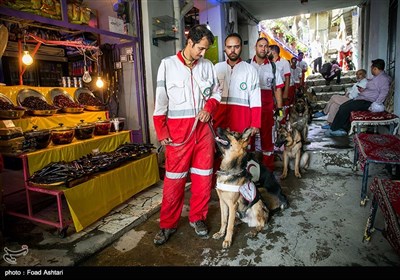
[
  {"x": 179, "y": 98},
  {"x": 266, "y": 75}
]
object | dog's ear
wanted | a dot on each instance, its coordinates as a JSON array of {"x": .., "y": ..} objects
[{"x": 288, "y": 127}]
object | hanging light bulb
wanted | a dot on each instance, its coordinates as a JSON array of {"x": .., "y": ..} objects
[
  {"x": 99, "y": 82},
  {"x": 86, "y": 75},
  {"x": 26, "y": 57},
  {"x": 208, "y": 25}
]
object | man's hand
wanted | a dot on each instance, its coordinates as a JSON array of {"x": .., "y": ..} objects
[
  {"x": 166, "y": 141},
  {"x": 204, "y": 116},
  {"x": 254, "y": 130}
]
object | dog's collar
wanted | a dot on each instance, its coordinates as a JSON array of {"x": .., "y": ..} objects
[
  {"x": 228, "y": 187},
  {"x": 293, "y": 144}
]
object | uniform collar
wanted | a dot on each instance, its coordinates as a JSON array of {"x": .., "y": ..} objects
[
  {"x": 239, "y": 60},
  {"x": 266, "y": 60},
  {"x": 180, "y": 57}
]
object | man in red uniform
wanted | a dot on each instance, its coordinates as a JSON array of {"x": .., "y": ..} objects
[
  {"x": 240, "y": 106},
  {"x": 267, "y": 80},
  {"x": 187, "y": 95}
]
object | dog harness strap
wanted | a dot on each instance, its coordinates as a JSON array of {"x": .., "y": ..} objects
[{"x": 227, "y": 187}]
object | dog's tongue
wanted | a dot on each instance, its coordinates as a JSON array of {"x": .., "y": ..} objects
[{"x": 222, "y": 141}]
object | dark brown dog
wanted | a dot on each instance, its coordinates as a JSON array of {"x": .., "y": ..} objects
[
  {"x": 291, "y": 139},
  {"x": 299, "y": 116},
  {"x": 232, "y": 178}
]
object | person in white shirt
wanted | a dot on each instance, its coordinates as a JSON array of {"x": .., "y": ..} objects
[
  {"x": 335, "y": 101},
  {"x": 303, "y": 65},
  {"x": 316, "y": 54},
  {"x": 282, "y": 67},
  {"x": 295, "y": 78}
]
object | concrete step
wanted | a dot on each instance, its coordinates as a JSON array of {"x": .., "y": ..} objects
[
  {"x": 325, "y": 96},
  {"x": 332, "y": 87},
  {"x": 321, "y": 81}
]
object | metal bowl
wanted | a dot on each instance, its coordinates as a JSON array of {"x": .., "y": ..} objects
[
  {"x": 58, "y": 91},
  {"x": 84, "y": 130},
  {"x": 42, "y": 112},
  {"x": 73, "y": 110},
  {"x": 90, "y": 107},
  {"x": 47, "y": 110},
  {"x": 40, "y": 137},
  {"x": 4, "y": 98},
  {"x": 62, "y": 134},
  {"x": 102, "y": 127},
  {"x": 77, "y": 108},
  {"x": 94, "y": 108},
  {"x": 26, "y": 92},
  {"x": 12, "y": 114}
]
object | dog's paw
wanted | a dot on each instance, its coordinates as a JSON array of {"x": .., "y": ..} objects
[
  {"x": 298, "y": 175},
  {"x": 283, "y": 176},
  {"x": 253, "y": 233},
  {"x": 284, "y": 205},
  {"x": 226, "y": 244},
  {"x": 218, "y": 235}
]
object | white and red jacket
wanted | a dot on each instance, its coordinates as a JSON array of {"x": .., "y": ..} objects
[
  {"x": 181, "y": 94},
  {"x": 266, "y": 75},
  {"x": 295, "y": 75},
  {"x": 283, "y": 68},
  {"x": 240, "y": 106}
]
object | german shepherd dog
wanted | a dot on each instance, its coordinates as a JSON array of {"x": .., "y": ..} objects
[
  {"x": 292, "y": 140},
  {"x": 299, "y": 117},
  {"x": 238, "y": 195}
]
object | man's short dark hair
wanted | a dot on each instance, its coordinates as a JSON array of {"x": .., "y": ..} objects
[
  {"x": 378, "y": 63},
  {"x": 262, "y": 38},
  {"x": 197, "y": 32},
  {"x": 275, "y": 48},
  {"x": 237, "y": 35}
]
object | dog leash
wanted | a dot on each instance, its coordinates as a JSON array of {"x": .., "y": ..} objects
[{"x": 187, "y": 139}]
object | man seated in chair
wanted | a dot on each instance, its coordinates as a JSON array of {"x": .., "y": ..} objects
[{"x": 375, "y": 92}]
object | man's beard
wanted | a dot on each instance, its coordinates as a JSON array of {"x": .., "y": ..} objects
[
  {"x": 262, "y": 56},
  {"x": 234, "y": 57}
]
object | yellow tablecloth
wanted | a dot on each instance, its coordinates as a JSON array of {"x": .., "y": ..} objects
[
  {"x": 93, "y": 199},
  {"x": 27, "y": 123},
  {"x": 78, "y": 148}
]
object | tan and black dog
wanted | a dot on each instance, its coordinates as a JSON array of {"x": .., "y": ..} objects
[
  {"x": 293, "y": 149},
  {"x": 238, "y": 195},
  {"x": 299, "y": 117}
]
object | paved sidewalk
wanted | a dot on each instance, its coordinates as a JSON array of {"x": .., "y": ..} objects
[
  {"x": 46, "y": 248},
  {"x": 322, "y": 227}
]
